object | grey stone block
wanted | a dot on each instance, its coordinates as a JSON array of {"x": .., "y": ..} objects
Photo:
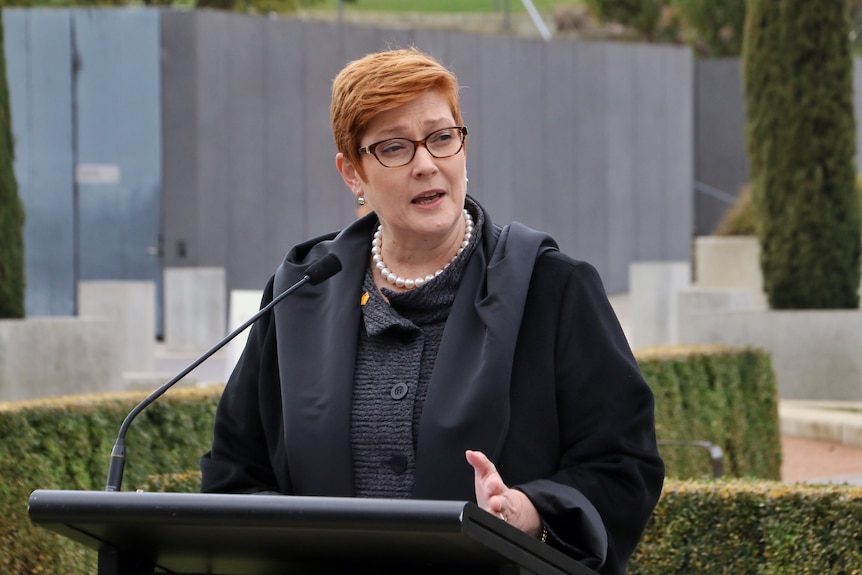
[
  {"x": 243, "y": 305},
  {"x": 44, "y": 357},
  {"x": 694, "y": 300},
  {"x": 195, "y": 308},
  {"x": 729, "y": 262},
  {"x": 653, "y": 292},
  {"x": 133, "y": 305},
  {"x": 815, "y": 353}
]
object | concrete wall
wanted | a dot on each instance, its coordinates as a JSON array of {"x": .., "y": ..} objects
[
  {"x": 815, "y": 354},
  {"x": 133, "y": 305},
  {"x": 589, "y": 141},
  {"x": 41, "y": 357},
  {"x": 195, "y": 308},
  {"x": 730, "y": 262}
]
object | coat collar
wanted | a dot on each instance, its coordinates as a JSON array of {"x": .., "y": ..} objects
[{"x": 467, "y": 406}]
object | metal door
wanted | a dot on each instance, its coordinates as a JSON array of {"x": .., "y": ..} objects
[
  {"x": 118, "y": 140},
  {"x": 85, "y": 88}
]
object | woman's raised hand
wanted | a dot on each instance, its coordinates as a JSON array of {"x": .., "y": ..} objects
[{"x": 492, "y": 495}]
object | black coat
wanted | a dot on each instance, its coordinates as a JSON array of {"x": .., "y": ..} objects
[{"x": 533, "y": 370}]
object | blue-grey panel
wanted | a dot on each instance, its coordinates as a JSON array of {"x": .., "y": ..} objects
[
  {"x": 719, "y": 130},
  {"x": 207, "y": 244},
  {"x": 491, "y": 175},
  {"x": 181, "y": 139},
  {"x": 585, "y": 126},
  {"x": 454, "y": 51},
  {"x": 283, "y": 213},
  {"x": 591, "y": 154},
  {"x": 325, "y": 188},
  {"x": 620, "y": 177},
  {"x": 679, "y": 143},
  {"x": 650, "y": 154},
  {"x": 118, "y": 105},
  {"x": 560, "y": 120},
  {"x": 38, "y": 58},
  {"x": 246, "y": 148},
  {"x": 526, "y": 134}
]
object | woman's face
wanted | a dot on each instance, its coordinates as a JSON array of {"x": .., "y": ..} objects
[{"x": 422, "y": 200}]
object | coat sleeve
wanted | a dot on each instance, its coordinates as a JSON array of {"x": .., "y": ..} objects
[
  {"x": 247, "y": 453},
  {"x": 609, "y": 475}
]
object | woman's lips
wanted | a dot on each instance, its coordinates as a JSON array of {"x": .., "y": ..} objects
[{"x": 428, "y": 198}]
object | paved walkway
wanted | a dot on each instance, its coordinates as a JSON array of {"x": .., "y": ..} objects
[{"x": 814, "y": 461}]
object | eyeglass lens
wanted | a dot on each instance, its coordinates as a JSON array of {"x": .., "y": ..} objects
[{"x": 399, "y": 151}]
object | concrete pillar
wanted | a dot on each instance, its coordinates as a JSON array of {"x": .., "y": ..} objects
[
  {"x": 194, "y": 308},
  {"x": 729, "y": 262},
  {"x": 133, "y": 305},
  {"x": 815, "y": 353},
  {"x": 51, "y": 356},
  {"x": 243, "y": 305},
  {"x": 653, "y": 289},
  {"x": 696, "y": 300}
]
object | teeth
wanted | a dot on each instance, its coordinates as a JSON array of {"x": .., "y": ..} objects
[{"x": 425, "y": 199}]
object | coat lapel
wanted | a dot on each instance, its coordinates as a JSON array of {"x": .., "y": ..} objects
[
  {"x": 316, "y": 330},
  {"x": 468, "y": 399}
]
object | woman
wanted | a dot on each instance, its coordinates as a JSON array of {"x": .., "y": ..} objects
[{"x": 451, "y": 358}]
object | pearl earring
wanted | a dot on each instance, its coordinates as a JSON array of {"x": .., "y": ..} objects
[{"x": 360, "y": 201}]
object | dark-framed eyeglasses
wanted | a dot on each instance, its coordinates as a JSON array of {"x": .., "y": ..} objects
[{"x": 397, "y": 152}]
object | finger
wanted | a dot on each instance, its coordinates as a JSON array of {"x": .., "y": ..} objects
[
  {"x": 488, "y": 483},
  {"x": 480, "y": 463}
]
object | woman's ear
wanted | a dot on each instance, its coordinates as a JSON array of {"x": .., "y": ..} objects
[{"x": 349, "y": 174}]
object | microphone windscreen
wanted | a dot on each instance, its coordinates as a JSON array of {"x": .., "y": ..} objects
[{"x": 323, "y": 269}]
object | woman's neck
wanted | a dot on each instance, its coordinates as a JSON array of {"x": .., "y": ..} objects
[{"x": 412, "y": 260}]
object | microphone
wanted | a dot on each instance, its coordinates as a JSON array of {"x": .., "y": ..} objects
[{"x": 317, "y": 272}]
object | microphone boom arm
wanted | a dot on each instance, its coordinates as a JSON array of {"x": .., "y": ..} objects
[{"x": 118, "y": 453}]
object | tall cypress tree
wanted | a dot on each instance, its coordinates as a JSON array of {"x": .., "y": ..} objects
[
  {"x": 11, "y": 210},
  {"x": 798, "y": 82}
]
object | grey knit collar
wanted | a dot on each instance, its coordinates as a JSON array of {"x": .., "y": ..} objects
[{"x": 427, "y": 304}]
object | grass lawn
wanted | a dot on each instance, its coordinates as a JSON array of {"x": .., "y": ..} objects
[{"x": 435, "y": 5}]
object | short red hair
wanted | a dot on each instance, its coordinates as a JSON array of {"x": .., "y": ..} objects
[{"x": 379, "y": 82}]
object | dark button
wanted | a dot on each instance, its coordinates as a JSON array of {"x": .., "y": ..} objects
[
  {"x": 398, "y": 463},
  {"x": 398, "y": 391}
]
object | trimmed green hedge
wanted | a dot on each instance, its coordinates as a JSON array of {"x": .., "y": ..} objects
[
  {"x": 768, "y": 528},
  {"x": 65, "y": 443},
  {"x": 727, "y": 526},
  {"x": 726, "y": 396}
]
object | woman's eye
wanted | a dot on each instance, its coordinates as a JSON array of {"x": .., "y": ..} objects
[{"x": 390, "y": 148}]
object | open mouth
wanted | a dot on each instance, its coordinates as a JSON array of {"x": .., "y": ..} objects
[{"x": 429, "y": 198}]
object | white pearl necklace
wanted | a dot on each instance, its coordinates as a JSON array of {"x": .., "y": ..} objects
[{"x": 417, "y": 282}]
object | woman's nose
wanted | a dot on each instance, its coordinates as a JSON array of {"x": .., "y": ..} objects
[{"x": 423, "y": 162}]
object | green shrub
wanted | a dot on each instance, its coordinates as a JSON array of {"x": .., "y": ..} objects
[
  {"x": 65, "y": 443},
  {"x": 188, "y": 482},
  {"x": 722, "y": 395},
  {"x": 728, "y": 526},
  {"x": 726, "y": 396},
  {"x": 739, "y": 219},
  {"x": 713, "y": 28},
  {"x": 721, "y": 527},
  {"x": 652, "y": 20},
  {"x": 801, "y": 141}
]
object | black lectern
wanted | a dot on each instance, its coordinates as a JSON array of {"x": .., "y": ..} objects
[{"x": 190, "y": 533}]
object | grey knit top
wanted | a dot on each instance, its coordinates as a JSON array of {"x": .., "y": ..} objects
[{"x": 397, "y": 348}]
